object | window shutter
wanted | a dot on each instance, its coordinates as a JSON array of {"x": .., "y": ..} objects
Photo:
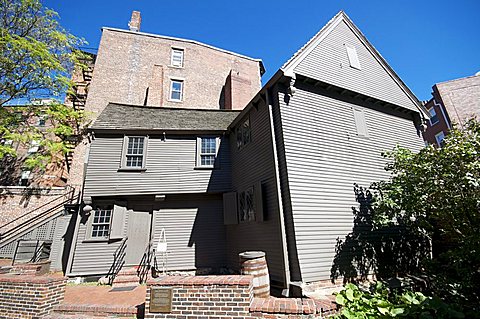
[
  {"x": 258, "y": 197},
  {"x": 230, "y": 216},
  {"x": 118, "y": 221},
  {"x": 353, "y": 57},
  {"x": 360, "y": 122}
]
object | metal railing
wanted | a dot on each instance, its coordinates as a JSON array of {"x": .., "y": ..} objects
[
  {"x": 40, "y": 252},
  {"x": 118, "y": 261},
  {"x": 33, "y": 222}
]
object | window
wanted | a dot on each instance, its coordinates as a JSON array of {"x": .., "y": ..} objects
[
  {"x": 41, "y": 121},
  {"x": 439, "y": 138},
  {"x": 135, "y": 151},
  {"x": 177, "y": 57},
  {"x": 176, "y": 90},
  {"x": 243, "y": 134},
  {"x": 360, "y": 122},
  {"x": 25, "y": 178},
  {"x": 353, "y": 57},
  {"x": 433, "y": 116},
  {"x": 101, "y": 223},
  {"x": 207, "y": 151},
  {"x": 246, "y": 209},
  {"x": 34, "y": 147}
]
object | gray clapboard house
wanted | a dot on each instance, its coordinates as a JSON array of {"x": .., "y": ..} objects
[{"x": 277, "y": 176}]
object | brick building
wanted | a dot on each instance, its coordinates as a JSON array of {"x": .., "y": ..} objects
[{"x": 452, "y": 102}]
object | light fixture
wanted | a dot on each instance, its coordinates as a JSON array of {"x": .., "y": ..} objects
[{"x": 87, "y": 209}]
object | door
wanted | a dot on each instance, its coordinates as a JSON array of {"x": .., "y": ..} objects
[{"x": 138, "y": 234}]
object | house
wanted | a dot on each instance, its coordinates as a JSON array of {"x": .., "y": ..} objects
[
  {"x": 452, "y": 102},
  {"x": 275, "y": 174}
]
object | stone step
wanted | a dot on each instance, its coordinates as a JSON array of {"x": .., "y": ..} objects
[{"x": 126, "y": 278}]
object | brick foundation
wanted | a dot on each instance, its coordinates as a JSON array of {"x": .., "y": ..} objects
[
  {"x": 228, "y": 297},
  {"x": 27, "y": 296}
]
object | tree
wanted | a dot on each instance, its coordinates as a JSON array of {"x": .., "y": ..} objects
[
  {"x": 37, "y": 57},
  {"x": 437, "y": 192}
]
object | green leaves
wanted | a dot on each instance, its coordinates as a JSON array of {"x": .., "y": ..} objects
[{"x": 380, "y": 302}]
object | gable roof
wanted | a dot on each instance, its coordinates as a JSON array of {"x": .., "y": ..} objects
[
  {"x": 143, "y": 118},
  {"x": 406, "y": 95}
]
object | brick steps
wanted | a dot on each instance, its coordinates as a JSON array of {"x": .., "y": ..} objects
[{"x": 126, "y": 277}]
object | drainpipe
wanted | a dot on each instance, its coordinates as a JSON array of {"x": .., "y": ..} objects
[{"x": 283, "y": 235}]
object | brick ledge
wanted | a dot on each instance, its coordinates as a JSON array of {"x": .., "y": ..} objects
[
  {"x": 202, "y": 280},
  {"x": 292, "y": 306}
]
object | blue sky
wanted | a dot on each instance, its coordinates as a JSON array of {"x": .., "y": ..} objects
[{"x": 425, "y": 42}]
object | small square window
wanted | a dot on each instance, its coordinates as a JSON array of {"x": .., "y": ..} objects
[
  {"x": 177, "y": 57},
  {"x": 207, "y": 151},
  {"x": 25, "y": 178},
  {"x": 134, "y": 152},
  {"x": 101, "y": 223},
  {"x": 176, "y": 90},
  {"x": 41, "y": 121}
]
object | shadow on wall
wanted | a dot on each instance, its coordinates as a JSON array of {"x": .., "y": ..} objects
[{"x": 386, "y": 251}]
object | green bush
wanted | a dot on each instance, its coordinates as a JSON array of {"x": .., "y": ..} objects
[{"x": 380, "y": 302}]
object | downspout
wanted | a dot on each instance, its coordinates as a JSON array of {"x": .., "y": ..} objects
[
  {"x": 68, "y": 269},
  {"x": 283, "y": 235}
]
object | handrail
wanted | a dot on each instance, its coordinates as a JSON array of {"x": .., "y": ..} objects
[
  {"x": 118, "y": 260},
  {"x": 70, "y": 192},
  {"x": 28, "y": 221}
]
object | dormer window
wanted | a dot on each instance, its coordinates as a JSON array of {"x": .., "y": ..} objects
[{"x": 177, "y": 57}]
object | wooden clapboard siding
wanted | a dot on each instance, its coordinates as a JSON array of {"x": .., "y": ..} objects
[
  {"x": 252, "y": 164},
  {"x": 170, "y": 168},
  {"x": 324, "y": 157}
]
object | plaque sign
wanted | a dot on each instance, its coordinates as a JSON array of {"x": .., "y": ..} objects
[{"x": 161, "y": 299}]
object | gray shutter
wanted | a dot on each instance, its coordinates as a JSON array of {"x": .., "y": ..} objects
[
  {"x": 230, "y": 216},
  {"x": 258, "y": 200},
  {"x": 360, "y": 122},
  {"x": 118, "y": 221}
]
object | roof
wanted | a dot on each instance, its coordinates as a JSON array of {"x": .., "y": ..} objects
[
  {"x": 262, "y": 67},
  {"x": 144, "y": 118},
  {"x": 289, "y": 66}
]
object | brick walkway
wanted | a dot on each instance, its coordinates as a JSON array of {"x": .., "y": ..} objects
[{"x": 101, "y": 295}]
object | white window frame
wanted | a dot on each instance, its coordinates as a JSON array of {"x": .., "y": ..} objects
[
  {"x": 242, "y": 132},
  {"x": 433, "y": 115},
  {"x": 93, "y": 223},
  {"x": 199, "y": 152},
  {"x": 179, "y": 52},
  {"x": 182, "y": 89},
  {"x": 437, "y": 136},
  {"x": 125, "y": 154}
]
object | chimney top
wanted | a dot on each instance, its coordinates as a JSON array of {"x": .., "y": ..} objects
[{"x": 134, "y": 24}]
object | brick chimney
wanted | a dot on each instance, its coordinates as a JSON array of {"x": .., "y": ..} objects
[
  {"x": 134, "y": 24},
  {"x": 237, "y": 91}
]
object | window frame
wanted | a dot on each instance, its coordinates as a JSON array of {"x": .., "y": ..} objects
[
  {"x": 242, "y": 197},
  {"x": 172, "y": 54},
  {"x": 439, "y": 144},
  {"x": 242, "y": 132},
  {"x": 198, "y": 162},
  {"x": 433, "y": 116},
  {"x": 93, "y": 224},
  {"x": 123, "y": 163},
  {"x": 182, "y": 90}
]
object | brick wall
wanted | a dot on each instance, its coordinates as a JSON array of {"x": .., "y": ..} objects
[
  {"x": 29, "y": 296},
  {"x": 223, "y": 297}
]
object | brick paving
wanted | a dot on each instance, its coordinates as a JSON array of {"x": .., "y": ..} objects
[{"x": 101, "y": 295}]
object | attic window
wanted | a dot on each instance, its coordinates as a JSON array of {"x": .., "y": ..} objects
[{"x": 353, "y": 57}]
